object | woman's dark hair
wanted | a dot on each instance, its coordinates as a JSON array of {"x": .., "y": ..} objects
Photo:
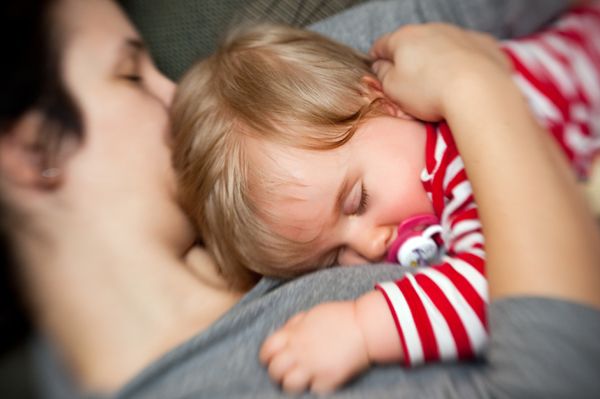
[{"x": 30, "y": 78}]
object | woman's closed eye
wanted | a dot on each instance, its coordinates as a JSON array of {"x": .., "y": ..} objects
[
  {"x": 131, "y": 70},
  {"x": 130, "y": 66},
  {"x": 135, "y": 78}
]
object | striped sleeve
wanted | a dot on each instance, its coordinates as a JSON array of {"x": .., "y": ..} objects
[
  {"x": 440, "y": 310},
  {"x": 558, "y": 71}
]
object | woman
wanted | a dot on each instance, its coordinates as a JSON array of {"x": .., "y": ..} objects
[{"x": 108, "y": 261}]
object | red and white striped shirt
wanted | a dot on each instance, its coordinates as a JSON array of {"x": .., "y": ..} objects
[{"x": 440, "y": 310}]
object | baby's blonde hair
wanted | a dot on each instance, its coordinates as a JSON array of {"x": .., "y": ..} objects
[{"x": 266, "y": 82}]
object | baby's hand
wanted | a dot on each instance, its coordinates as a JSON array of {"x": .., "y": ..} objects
[{"x": 319, "y": 349}]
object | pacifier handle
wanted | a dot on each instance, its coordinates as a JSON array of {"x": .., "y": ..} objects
[
  {"x": 414, "y": 221},
  {"x": 406, "y": 232}
]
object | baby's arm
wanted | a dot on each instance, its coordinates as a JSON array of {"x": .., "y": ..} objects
[{"x": 329, "y": 344}]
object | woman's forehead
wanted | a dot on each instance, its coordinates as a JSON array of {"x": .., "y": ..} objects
[
  {"x": 94, "y": 21},
  {"x": 96, "y": 35}
]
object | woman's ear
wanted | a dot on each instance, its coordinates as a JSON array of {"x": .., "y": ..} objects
[
  {"x": 22, "y": 159},
  {"x": 374, "y": 90}
]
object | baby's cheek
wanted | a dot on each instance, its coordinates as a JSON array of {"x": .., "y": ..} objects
[{"x": 410, "y": 200}]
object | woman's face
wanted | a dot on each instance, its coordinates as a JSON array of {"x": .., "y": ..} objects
[{"x": 123, "y": 165}]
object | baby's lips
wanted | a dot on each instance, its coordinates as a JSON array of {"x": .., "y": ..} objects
[{"x": 392, "y": 253}]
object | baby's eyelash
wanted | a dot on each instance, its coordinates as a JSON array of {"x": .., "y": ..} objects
[{"x": 364, "y": 201}]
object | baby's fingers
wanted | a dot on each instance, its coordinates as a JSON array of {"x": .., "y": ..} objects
[
  {"x": 273, "y": 345},
  {"x": 386, "y": 46},
  {"x": 296, "y": 380},
  {"x": 384, "y": 70},
  {"x": 281, "y": 365},
  {"x": 278, "y": 340},
  {"x": 322, "y": 387},
  {"x": 324, "y": 383},
  {"x": 294, "y": 320},
  {"x": 382, "y": 48}
]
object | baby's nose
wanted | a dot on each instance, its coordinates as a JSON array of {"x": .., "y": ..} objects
[{"x": 373, "y": 244}]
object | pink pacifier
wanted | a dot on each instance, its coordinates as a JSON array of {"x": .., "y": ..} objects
[{"x": 417, "y": 243}]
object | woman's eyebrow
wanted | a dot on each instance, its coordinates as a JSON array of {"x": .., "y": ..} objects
[
  {"x": 130, "y": 50},
  {"x": 135, "y": 44},
  {"x": 132, "y": 47}
]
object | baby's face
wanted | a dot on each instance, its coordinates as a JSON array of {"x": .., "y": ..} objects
[{"x": 350, "y": 200}]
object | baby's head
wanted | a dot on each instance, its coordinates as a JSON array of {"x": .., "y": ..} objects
[{"x": 267, "y": 89}]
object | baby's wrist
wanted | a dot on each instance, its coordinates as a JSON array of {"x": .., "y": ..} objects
[{"x": 374, "y": 318}]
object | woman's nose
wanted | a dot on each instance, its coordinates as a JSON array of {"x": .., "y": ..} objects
[{"x": 371, "y": 243}]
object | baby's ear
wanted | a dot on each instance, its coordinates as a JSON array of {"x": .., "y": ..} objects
[
  {"x": 374, "y": 90},
  {"x": 372, "y": 87}
]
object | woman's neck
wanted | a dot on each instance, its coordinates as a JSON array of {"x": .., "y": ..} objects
[{"x": 103, "y": 295}]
